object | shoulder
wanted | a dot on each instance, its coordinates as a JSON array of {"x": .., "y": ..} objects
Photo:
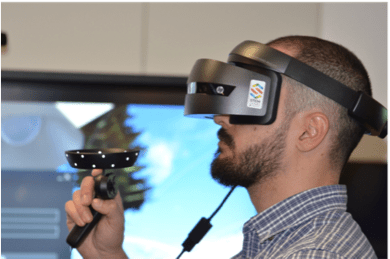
[
  {"x": 333, "y": 235},
  {"x": 341, "y": 235}
]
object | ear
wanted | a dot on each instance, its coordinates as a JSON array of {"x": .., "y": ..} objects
[{"x": 314, "y": 128}]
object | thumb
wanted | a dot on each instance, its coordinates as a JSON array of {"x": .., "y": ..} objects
[
  {"x": 109, "y": 207},
  {"x": 105, "y": 207}
]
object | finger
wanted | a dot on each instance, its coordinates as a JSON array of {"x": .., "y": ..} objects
[
  {"x": 112, "y": 208},
  {"x": 84, "y": 213},
  {"x": 72, "y": 216},
  {"x": 96, "y": 172},
  {"x": 106, "y": 207},
  {"x": 68, "y": 209},
  {"x": 87, "y": 190}
]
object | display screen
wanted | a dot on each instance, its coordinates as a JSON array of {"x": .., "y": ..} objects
[{"x": 171, "y": 186}]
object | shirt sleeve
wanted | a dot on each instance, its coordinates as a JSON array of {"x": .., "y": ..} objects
[{"x": 315, "y": 254}]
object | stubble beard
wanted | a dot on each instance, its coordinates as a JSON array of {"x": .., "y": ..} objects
[{"x": 252, "y": 166}]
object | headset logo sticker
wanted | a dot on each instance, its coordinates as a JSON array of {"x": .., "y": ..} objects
[{"x": 256, "y": 94}]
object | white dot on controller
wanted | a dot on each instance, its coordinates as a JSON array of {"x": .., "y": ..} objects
[
  {"x": 100, "y": 152},
  {"x": 112, "y": 165},
  {"x": 103, "y": 156},
  {"x": 75, "y": 164},
  {"x": 67, "y": 155},
  {"x": 127, "y": 158},
  {"x": 82, "y": 156},
  {"x": 136, "y": 154},
  {"x": 94, "y": 166}
]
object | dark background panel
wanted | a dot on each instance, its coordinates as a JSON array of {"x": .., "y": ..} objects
[
  {"x": 80, "y": 87},
  {"x": 367, "y": 201}
]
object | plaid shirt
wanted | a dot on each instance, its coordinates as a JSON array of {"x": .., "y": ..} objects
[{"x": 313, "y": 224}]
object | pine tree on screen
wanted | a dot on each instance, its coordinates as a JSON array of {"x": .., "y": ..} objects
[{"x": 111, "y": 131}]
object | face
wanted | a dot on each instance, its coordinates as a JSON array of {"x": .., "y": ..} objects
[{"x": 248, "y": 154}]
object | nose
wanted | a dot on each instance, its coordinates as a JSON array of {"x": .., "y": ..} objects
[{"x": 222, "y": 120}]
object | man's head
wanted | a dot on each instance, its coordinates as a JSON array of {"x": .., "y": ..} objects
[
  {"x": 340, "y": 64},
  {"x": 262, "y": 154}
]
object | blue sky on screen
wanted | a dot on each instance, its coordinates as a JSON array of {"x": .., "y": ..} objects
[{"x": 178, "y": 154}]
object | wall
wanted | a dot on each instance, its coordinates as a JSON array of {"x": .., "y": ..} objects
[
  {"x": 167, "y": 38},
  {"x": 72, "y": 37},
  {"x": 152, "y": 38},
  {"x": 181, "y": 33}
]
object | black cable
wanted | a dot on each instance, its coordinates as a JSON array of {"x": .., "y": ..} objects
[
  {"x": 220, "y": 206},
  {"x": 182, "y": 252},
  {"x": 201, "y": 229}
]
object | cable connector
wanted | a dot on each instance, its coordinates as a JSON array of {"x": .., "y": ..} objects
[
  {"x": 201, "y": 229},
  {"x": 197, "y": 233}
]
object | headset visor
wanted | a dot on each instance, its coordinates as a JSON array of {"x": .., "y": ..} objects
[{"x": 218, "y": 88}]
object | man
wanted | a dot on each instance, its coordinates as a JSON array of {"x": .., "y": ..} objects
[{"x": 290, "y": 168}]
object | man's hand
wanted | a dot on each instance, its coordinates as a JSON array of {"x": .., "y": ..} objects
[{"x": 106, "y": 238}]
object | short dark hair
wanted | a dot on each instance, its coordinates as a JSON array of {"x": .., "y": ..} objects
[{"x": 339, "y": 63}]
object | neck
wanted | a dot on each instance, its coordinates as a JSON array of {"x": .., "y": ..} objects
[{"x": 284, "y": 184}]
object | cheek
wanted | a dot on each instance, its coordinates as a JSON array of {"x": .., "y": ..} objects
[
  {"x": 252, "y": 136},
  {"x": 245, "y": 140},
  {"x": 245, "y": 136}
]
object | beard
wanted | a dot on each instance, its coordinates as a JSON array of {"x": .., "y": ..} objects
[{"x": 252, "y": 165}]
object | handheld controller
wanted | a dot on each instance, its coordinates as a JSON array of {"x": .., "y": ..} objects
[{"x": 111, "y": 158}]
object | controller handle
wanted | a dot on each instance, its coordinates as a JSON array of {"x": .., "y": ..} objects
[
  {"x": 104, "y": 189},
  {"x": 104, "y": 184}
]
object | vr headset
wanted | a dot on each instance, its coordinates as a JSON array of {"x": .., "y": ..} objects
[{"x": 248, "y": 87}]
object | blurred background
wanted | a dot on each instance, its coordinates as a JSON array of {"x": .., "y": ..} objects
[{"x": 86, "y": 75}]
